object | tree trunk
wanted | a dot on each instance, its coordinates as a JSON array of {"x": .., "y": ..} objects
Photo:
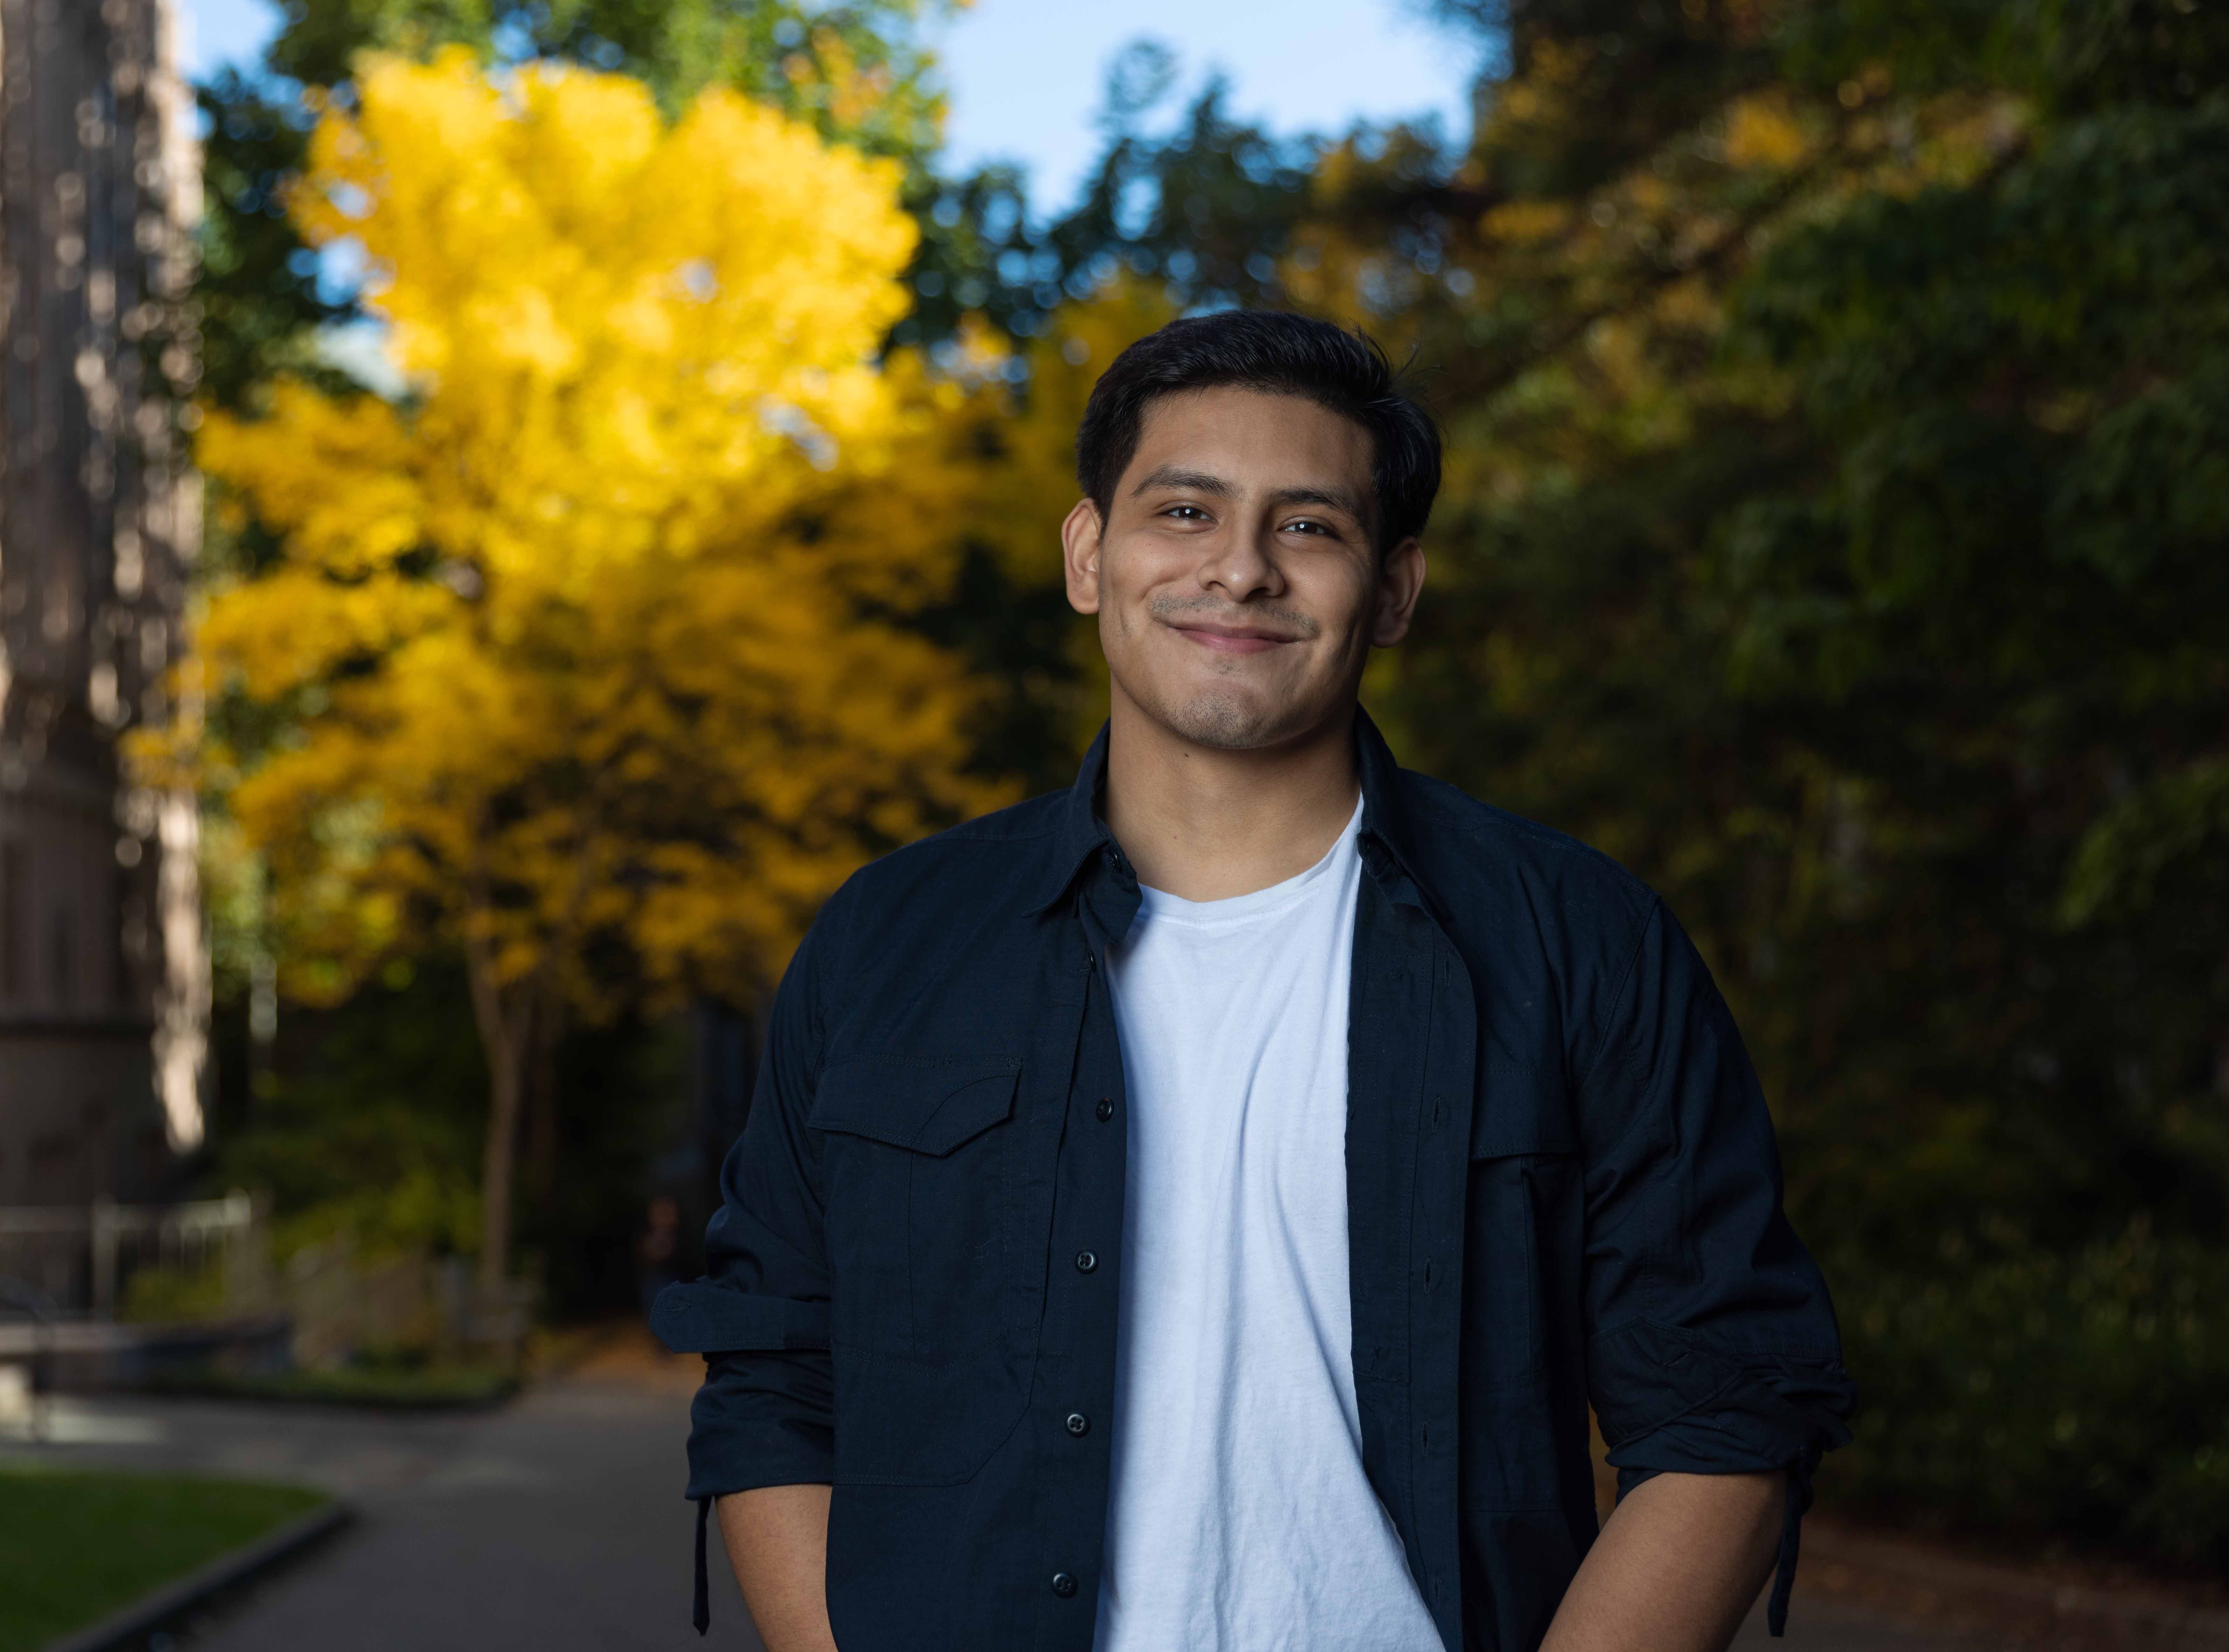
[
  {"x": 496, "y": 1162},
  {"x": 509, "y": 1034},
  {"x": 505, "y": 1041},
  {"x": 541, "y": 1104}
]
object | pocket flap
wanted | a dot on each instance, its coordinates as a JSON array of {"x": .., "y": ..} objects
[
  {"x": 1519, "y": 1110},
  {"x": 929, "y": 1106}
]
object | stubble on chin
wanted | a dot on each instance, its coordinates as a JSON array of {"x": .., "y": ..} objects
[
  {"x": 1222, "y": 717},
  {"x": 1225, "y": 721}
]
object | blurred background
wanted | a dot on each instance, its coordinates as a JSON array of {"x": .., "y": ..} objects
[{"x": 505, "y": 505}]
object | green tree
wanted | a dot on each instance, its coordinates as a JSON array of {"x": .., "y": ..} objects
[{"x": 1834, "y": 532}]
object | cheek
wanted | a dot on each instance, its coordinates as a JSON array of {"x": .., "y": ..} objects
[
  {"x": 1130, "y": 586},
  {"x": 1121, "y": 578},
  {"x": 1344, "y": 602}
]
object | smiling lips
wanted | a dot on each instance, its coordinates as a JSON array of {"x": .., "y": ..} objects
[{"x": 1234, "y": 639}]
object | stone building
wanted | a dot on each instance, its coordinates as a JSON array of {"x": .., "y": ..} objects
[{"x": 103, "y": 962}]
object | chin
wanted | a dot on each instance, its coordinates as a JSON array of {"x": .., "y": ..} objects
[{"x": 1226, "y": 723}]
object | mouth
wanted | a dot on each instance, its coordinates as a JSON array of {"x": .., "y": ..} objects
[{"x": 1233, "y": 640}]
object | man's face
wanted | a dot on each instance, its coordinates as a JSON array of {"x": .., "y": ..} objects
[{"x": 1237, "y": 590}]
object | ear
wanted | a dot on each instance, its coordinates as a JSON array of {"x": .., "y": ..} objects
[
  {"x": 1080, "y": 540},
  {"x": 1400, "y": 582}
]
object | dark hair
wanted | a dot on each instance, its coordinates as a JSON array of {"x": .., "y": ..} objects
[{"x": 1286, "y": 354}]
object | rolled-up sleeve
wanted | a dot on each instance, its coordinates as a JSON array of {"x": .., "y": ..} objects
[
  {"x": 1711, "y": 1343},
  {"x": 764, "y": 1416}
]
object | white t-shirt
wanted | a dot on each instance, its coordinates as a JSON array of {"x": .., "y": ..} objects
[{"x": 1239, "y": 1518}]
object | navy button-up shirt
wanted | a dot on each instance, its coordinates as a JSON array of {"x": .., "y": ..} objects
[{"x": 1562, "y": 1189}]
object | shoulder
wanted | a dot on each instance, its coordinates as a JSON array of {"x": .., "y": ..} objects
[
  {"x": 1550, "y": 920},
  {"x": 1474, "y": 847},
  {"x": 1542, "y": 918},
  {"x": 940, "y": 944},
  {"x": 1010, "y": 847},
  {"x": 999, "y": 861}
]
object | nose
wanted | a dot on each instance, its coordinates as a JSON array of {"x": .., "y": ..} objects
[{"x": 1239, "y": 565}]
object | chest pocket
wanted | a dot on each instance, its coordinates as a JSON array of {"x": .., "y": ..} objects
[
  {"x": 914, "y": 1158},
  {"x": 1525, "y": 1195}
]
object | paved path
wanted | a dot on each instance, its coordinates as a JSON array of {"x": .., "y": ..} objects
[
  {"x": 1816, "y": 1624},
  {"x": 554, "y": 1524}
]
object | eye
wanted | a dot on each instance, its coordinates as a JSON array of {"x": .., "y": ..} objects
[
  {"x": 1309, "y": 524},
  {"x": 1185, "y": 513}
]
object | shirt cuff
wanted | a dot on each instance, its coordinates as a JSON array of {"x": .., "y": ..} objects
[
  {"x": 762, "y": 1419},
  {"x": 1674, "y": 1401}
]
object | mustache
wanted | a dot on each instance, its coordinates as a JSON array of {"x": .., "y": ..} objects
[{"x": 1217, "y": 612}]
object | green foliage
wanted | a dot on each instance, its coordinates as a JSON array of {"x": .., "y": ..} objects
[
  {"x": 1837, "y": 398},
  {"x": 1834, "y": 532},
  {"x": 365, "y": 1123},
  {"x": 174, "y": 1295},
  {"x": 260, "y": 304},
  {"x": 363, "y": 1120},
  {"x": 2032, "y": 1391},
  {"x": 76, "y": 1546},
  {"x": 1208, "y": 209},
  {"x": 2180, "y": 824}
]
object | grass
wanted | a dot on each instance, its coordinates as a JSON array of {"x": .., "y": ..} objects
[
  {"x": 394, "y": 1387},
  {"x": 75, "y": 1546}
]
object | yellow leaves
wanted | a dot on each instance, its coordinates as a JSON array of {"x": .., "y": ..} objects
[
  {"x": 1518, "y": 102},
  {"x": 589, "y": 284},
  {"x": 1691, "y": 306},
  {"x": 1961, "y": 136},
  {"x": 1526, "y": 222},
  {"x": 655, "y": 336},
  {"x": 1761, "y": 130},
  {"x": 295, "y": 626},
  {"x": 567, "y": 645},
  {"x": 334, "y": 476}
]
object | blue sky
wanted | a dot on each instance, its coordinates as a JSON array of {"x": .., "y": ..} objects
[{"x": 1026, "y": 74}]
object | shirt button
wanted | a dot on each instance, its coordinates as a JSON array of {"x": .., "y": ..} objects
[
  {"x": 1062, "y": 1584},
  {"x": 1105, "y": 1109},
  {"x": 1085, "y": 1262},
  {"x": 1078, "y": 1424}
]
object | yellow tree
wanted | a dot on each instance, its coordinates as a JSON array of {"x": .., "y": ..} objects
[
  {"x": 564, "y": 658},
  {"x": 987, "y": 469}
]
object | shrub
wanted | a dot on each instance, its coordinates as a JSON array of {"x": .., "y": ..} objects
[{"x": 2028, "y": 1391}]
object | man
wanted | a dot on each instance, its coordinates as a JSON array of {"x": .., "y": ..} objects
[{"x": 1196, "y": 1211}]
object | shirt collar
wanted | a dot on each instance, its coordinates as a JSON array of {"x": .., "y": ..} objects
[
  {"x": 1082, "y": 830},
  {"x": 1385, "y": 822},
  {"x": 1082, "y": 833}
]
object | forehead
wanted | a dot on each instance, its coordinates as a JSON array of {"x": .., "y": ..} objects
[{"x": 1251, "y": 438}]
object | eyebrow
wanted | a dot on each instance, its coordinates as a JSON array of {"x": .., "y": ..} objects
[
  {"x": 1176, "y": 476},
  {"x": 1202, "y": 482},
  {"x": 1337, "y": 501}
]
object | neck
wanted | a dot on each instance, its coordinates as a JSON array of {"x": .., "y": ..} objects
[{"x": 1205, "y": 824}]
